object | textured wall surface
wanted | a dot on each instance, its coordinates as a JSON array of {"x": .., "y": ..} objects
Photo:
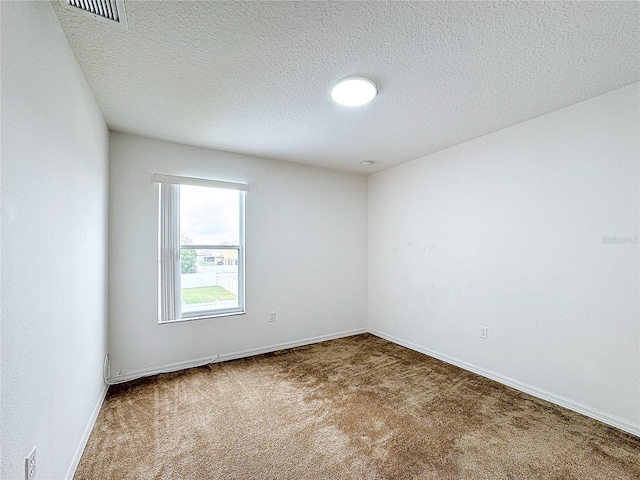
[
  {"x": 514, "y": 231},
  {"x": 54, "y": 245},
  {"x": 254, "y": 77}
]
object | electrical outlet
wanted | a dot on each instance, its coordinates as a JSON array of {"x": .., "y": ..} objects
[
  {"x": 30, "y": 465},
  {"x": 273, "y": 317},
  {"x": 106, "y": 368},
  {"x": 484, "y": 332}
]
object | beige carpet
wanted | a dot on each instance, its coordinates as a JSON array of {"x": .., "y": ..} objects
[{"x": 353, "y": 408}]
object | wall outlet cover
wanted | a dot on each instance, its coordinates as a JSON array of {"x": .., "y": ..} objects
[{"x": 30, "y": 465}]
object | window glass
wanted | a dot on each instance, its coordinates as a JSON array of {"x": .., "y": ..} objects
[
  {"x": 209, "y": 216},
  {"x": 201, "y": 250},
  {"x": 209, "y": 250}
]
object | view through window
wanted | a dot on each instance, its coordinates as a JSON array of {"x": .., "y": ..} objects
[{"x": 210, "y": 250}]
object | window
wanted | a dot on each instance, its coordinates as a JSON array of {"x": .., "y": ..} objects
[{"x": 201, "y": 246}]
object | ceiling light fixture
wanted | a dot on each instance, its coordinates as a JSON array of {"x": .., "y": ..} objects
[
  {"x": 354, "y": 91},
  {"x": 367, "y": 163}
]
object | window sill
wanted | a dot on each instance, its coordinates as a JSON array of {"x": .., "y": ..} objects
[{"x": 204, "y": 316}]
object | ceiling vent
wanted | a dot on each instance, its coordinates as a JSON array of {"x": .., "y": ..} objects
[{"x": 109, "y": 10}]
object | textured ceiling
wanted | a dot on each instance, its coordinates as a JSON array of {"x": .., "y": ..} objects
[{"x": 254, "y": 77}]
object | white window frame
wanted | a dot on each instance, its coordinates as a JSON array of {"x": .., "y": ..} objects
[{"x": 169, "y": 248}]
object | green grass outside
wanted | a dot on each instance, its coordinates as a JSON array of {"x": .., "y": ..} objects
[{"x": 206, "y": 294}]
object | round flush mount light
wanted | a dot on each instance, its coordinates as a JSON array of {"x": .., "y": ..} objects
[
  {"x": 367, "y": 163},
  {"x": 354, "y": 91}
]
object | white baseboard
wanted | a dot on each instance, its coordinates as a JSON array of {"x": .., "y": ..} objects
[
  {"x": 75, "y": 461},
  {"x": 523, "y": 387},
  {"x": 284, "y": 346},
  {"x": 173, "y": 367}
]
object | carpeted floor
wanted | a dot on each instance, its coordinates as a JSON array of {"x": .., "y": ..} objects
[{"x": 354, "y": 408}]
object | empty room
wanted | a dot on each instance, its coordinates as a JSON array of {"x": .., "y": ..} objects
[{"x": 319, "y": 240}]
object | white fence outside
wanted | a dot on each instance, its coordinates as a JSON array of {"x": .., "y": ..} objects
[{"x": 225, "y": 276}]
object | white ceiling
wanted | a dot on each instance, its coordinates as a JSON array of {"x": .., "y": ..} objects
[{"x": 254, "y": 77}]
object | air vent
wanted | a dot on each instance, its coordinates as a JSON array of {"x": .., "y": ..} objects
[{"x": 111, "y": 10}]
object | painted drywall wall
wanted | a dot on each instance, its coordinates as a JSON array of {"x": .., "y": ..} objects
[
  {"x": 531, "y": 231},
  {"x": 306, "y": 257},
  {"x": 54, "y": 245}
]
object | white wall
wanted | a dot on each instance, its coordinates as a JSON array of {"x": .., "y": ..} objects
[
  {"x": 506, "y": 231},
  {"x": 306, "y": 254},
  {"x": 54, "y": 219}
]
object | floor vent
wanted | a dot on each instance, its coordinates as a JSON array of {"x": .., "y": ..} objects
[{"x": 111, "y": 10}]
